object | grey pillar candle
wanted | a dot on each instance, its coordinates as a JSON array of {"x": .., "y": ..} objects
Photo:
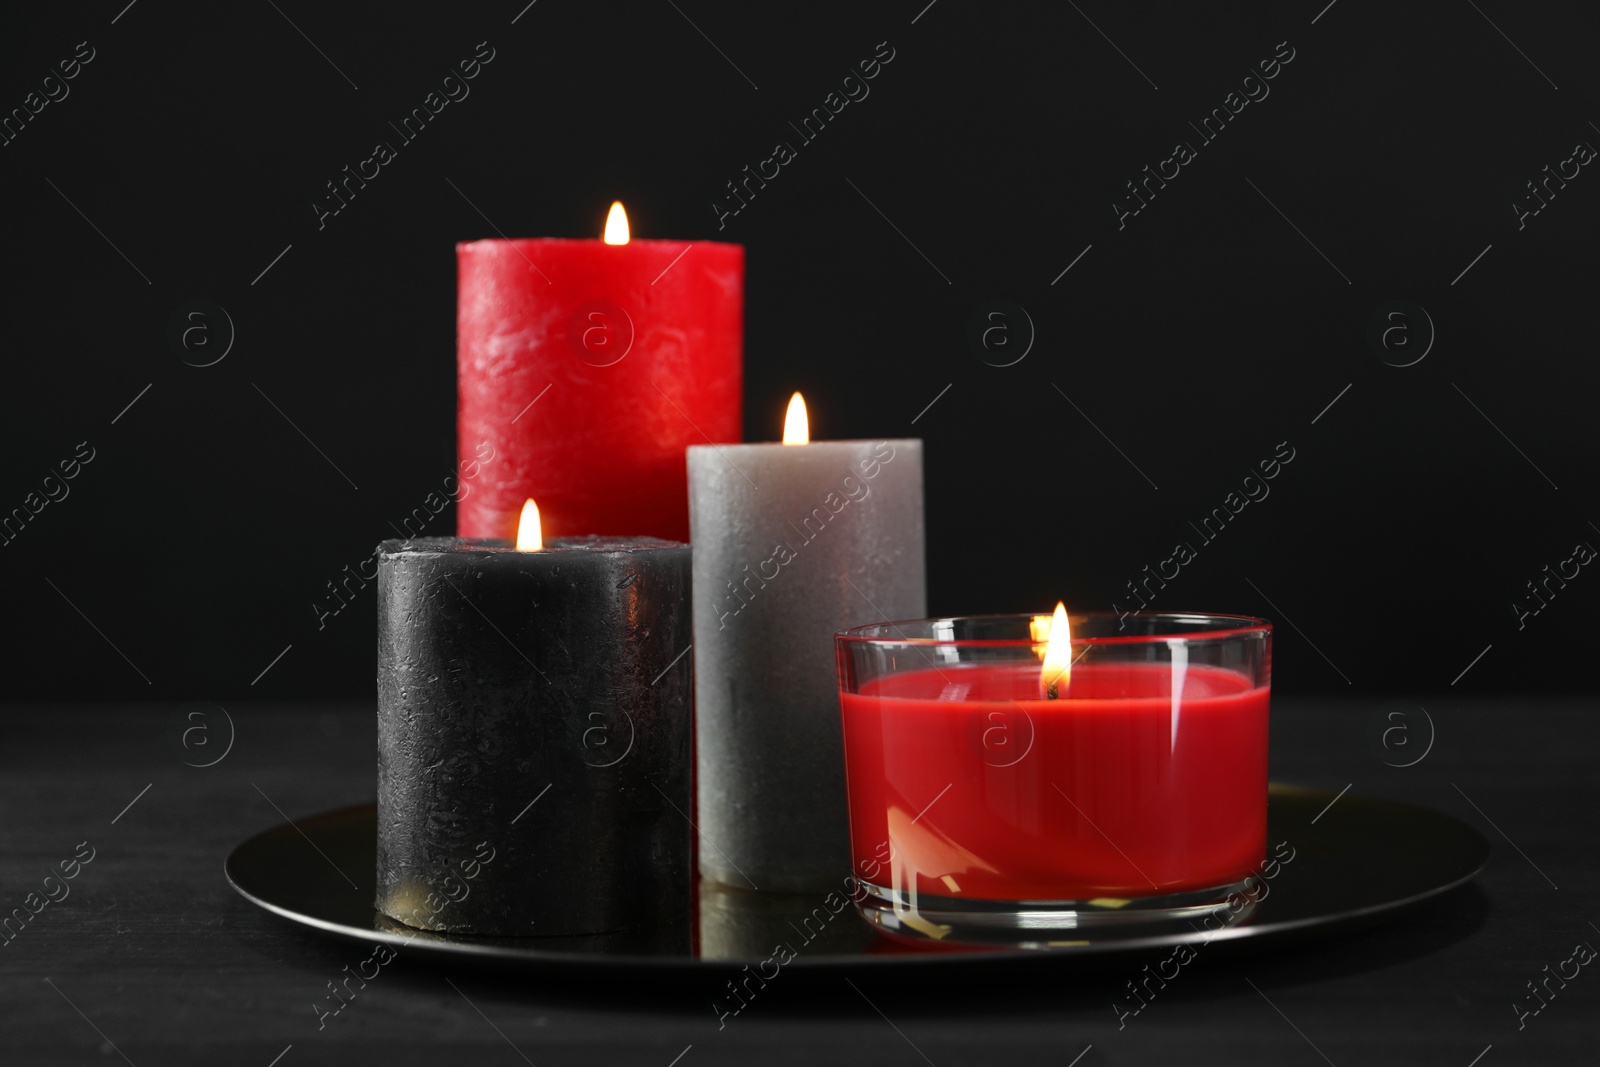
[
  {"x": 791, "y": 543},
  {"x": 534, "y": 731}
]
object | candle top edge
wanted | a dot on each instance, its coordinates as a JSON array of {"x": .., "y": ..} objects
[
  {"x": 412, "y": 547},
  {"x": 855, "y": 442},
  {"x": 1203, "y": 685},
  {"x": 1205, "y": 626},
  {"x": 491, "y": 242}
]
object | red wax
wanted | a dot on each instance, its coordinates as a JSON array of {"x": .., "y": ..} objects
[
  {"x": 641, "y": 348},
  {"x": 1115, "y": 790}
]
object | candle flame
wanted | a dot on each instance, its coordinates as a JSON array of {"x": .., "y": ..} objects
[
  {"x": 616, "y": 225},
  {"x": 530, "y": 534},
  {"x": 796, "y": 426},
  {"x": 1057, "y": 670}
]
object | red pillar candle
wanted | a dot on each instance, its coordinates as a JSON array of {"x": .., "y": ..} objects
[{"x": 589, "y": 367}]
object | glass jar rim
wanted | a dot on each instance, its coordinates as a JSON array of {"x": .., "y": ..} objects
[{"x": 1230, "y": 626}]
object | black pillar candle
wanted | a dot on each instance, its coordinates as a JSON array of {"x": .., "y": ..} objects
[{"x": 534, "y": 731}]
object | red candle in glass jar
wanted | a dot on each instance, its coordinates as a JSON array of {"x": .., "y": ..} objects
[
  {"x": 1124, "y": 776},
  {"x": 1112, "y": 799},
  {"x": 585, "y": 370}
]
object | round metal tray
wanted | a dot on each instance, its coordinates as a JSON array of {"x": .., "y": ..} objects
[{"x": 1357, "y": 861}]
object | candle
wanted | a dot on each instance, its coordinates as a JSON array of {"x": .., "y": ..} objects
[
  {"x": 590, "y": 365},
  {"x": 532, "y": 701},
  {"x": 792, "y": 542},
  {"x": 988, "y": 788}
]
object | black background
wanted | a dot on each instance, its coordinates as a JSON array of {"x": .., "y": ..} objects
[{"x": 190, "y": 551}]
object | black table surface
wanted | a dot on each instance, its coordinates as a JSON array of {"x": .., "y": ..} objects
[{"x": 153, "y": 959}]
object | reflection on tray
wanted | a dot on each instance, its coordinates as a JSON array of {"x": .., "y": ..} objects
[
  {"x": 740, "y": 924},
  {"x": 762, "y": 929},
  {"x": 765, "y": 929},
  {"x": 669, "y": 937},
  {"x": 733, "y": 924},
  {"x": 775, "y": 928}
]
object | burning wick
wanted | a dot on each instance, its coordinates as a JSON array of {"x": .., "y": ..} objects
[
  {"x": 530, "y": 532},
  {"x": 1057, "y": 671},
  {"x": 796, "y": 424},
  {"x": 616, "y": 232}
]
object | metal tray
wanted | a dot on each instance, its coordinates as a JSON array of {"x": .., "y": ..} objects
[{"x": 1354, "y": 862}]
